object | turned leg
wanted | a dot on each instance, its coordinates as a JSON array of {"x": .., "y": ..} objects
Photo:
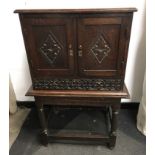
[
  {"x": 113, "y": 132},
  {"x": 43, "y": 123}
]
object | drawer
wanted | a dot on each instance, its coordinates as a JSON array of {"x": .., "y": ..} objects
[
  {"x": 78, "y": 84},
  {"x": 70, "y": 101}
]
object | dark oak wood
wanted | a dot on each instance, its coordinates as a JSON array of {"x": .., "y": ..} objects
[
  {"x": 92, "y": 32},
  {"x": 77, "y": 47},
  {"x": 124, "y": 105},
  {"x": 43, "y": 36},
  {"x": 92, "y": 11},
  {"x": 78, "y": 136},
  {"x": 77, "y": 93},
  {"x": 43, "y": 123},
  {"x": 77, "y": 58},
  {"x": 77, "y": 101},
  {"x": 114, "y": 119}
]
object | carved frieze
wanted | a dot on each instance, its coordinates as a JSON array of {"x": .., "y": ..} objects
[{"x": 79, "y": 84}]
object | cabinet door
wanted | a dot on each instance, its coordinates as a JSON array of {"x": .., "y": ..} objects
[
  {"x": 49, "y": 45},
  {"x": 99, "y": 44}
]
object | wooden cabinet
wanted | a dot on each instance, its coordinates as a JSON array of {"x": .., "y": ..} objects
[
  {"x": 77, "y": 50},
  {"x": 77, "y": 53}
]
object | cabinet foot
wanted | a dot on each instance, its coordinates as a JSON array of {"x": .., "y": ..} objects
[
  {"x": 44, "y": 138},
  {"x": 110, "y": 146}
]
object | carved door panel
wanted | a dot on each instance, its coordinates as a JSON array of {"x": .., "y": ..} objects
[
  {"x": 99, "y": 43},
  {"x": 49, "y": 45}
]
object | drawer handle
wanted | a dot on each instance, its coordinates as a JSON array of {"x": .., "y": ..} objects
[
  {"x": 70, "y": 50},
  {"x": 80, "y": 51}
]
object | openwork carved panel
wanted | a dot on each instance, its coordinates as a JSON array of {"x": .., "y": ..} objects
[
  {"x": 51, "y": 48},
  {"x": 100, "y": 49},
  {"x": 79, "y": 84}
]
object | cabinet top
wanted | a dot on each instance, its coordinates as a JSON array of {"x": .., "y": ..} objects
[{"x": 99, "y": 10}]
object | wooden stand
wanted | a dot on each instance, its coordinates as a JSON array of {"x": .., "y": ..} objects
[
  {"x": 69, "y": 98},
  {"x": 77, "y": 57}
]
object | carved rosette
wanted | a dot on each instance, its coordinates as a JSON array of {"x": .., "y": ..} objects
[
  {"x": 51, "y": 48},
  {"x": 100, "y": 49},
  {"x": 79, "y": 84}
]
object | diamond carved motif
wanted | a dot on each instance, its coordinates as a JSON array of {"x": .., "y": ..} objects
[
  {"x": 51, "y": 48},
  {"x": 100, "y": 49}
]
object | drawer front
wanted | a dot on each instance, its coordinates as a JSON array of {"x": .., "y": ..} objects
[
  {"x": 102, "y": 45},
  {"x": 79, "y": 84},
  {"x": 94, "y": 102},
  {"x": 49, "y": 44}
]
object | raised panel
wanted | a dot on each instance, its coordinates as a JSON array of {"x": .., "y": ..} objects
[
  {"x": 49, "y": 40},
  {"x": 99, "y": 39}
]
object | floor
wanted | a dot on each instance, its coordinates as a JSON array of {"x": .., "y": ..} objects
[
  {"x": 129, "y": 142},
  {"x": 16, "y": 121}
]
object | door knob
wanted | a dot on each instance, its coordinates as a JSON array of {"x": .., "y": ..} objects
[
  {"x": 70, "y": 50},
  {"x": 80, "y": 51}
]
